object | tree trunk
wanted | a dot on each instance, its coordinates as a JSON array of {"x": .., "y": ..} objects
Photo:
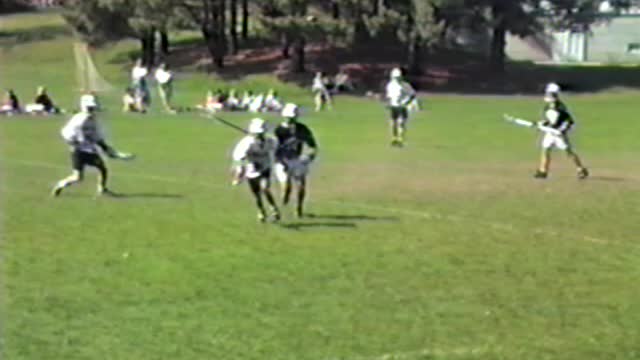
[
  {"x": 497, "y": 53},
  {"x": 245, "y": 19},
  {"x": 414, "y": 59},
  {"x": 148, "y": 45},
  {"x": 233, "y": 26},
  {"x": 222, "y": 25},
  {"x": 298, "y": 60},
  {"x": 335, "y": 9},
  {"x": 286, "y": 46},
  {"x": 164, "y": 42}
]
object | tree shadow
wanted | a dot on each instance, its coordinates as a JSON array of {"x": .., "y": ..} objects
[
  {"x": 297, "y": 226},
  {"x": 9, "y": 39}
]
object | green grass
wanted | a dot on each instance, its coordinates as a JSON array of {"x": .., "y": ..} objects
[{"x": 446, "y": 249}]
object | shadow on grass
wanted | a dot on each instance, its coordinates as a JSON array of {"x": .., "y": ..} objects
[
  {"x": 307, "y": 225},
  {"x": 336, "y": 221},
  {"x": 609, "y": 179},
  {"x": 156, "y": 196},
  {"x": 9, "y": 39},
  {"x": 358, "y": 217}
]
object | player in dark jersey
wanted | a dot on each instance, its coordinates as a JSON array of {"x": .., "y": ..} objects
[
  {"x": 297, "y": 148},
  {"x": 557, "y": 116}
]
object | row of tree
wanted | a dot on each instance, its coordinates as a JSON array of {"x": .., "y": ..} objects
[{"x": 421, "y": 25}]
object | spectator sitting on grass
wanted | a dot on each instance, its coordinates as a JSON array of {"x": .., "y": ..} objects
[
  {"x": 343, "y": 82},
  {"x": 43, "y": 104},
  {"x": 257, "y": 104},
  {"x": 10, "y": 104},
  {"x": 247, "y": 99},
  {"x": 232, "y": 102},
  {"x": 211, "y": 103},
  {"x": 129, "y": 102},
  {"x": 272, "y": 102}
]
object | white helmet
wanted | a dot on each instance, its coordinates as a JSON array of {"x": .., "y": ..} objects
[
  {"x": 257, "y": 126},
  {"x": 396, "y": 73},
  {"x": 552, "y": 88},
  {"x": 88, "y": 102},
  {"x": 290, "y": 110}
]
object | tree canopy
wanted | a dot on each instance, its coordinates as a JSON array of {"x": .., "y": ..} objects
[{"x": 422, "y": 26}]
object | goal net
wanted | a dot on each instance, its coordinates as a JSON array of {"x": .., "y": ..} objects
[{"x": 89, "y": 79}]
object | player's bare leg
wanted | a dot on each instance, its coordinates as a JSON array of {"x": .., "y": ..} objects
[
  {"x": 401, "y": 131},
  {"x": 583, "y": 173},
  {"x": 75, "y": 177},
  {"x": 302, "y": 191},
  {"x": 286, "y": 192},
  {"x": 319, "y": 102},
  {"x": 394, "y": 132},
  {"x": 272, "y": 203},
  {"x": 254, "y": 185},
  {"x": 545, "y": 162},
  {"x": 103, "y": 176}
]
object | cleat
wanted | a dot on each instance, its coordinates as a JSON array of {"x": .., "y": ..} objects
[
  {"x": 540, "y": 175},
  {"x": 56, "y": 191},
  {"x": 299, "y": 214},
  {"x": 583, "y": 173},
  {"x": 276, "y": 217},
  {"x": 262, "y": 218}
]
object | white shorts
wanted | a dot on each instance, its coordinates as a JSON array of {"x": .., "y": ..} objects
[
  {"x": 559, "y": 142},
  {"x": 294, "y": 169},
  {"x": 34, "y": 108}
]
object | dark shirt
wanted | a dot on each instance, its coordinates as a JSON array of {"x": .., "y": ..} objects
[
  {"x": 291, "y": 139},
  {"x": 45, "y": 100}
]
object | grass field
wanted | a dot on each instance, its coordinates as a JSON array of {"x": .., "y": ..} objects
[{"x": 446, "y": 249}]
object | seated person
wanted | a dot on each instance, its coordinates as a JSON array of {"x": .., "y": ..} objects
[
  {"x": 10, "y": 104},
  {"x": 257, "y": 104},
  {"x": 212, "y": 103},
  {"x": 232, "y": 103},
  {"x": 42, "y": 104},
  {"x": 129, "y": 102},
  {"x": 247, "y": 99},
  {"x": 271, "y": 102},
  {"x": 343, "y": 82}
]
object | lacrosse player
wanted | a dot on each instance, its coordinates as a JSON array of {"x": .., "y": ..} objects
[
  {"x": 291, "y": 165},
  {"x": 400, "y": 96},
  {"x": 253, "y": 159},
  {"x": 82, "y": 132},
  {"x": 557, "y": 116}
]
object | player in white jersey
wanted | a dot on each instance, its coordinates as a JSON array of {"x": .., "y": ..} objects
[
  {"x": 82, "y": 132},
  {"x": 400, "y": 96},
  {"x": 253, "y": 159}
]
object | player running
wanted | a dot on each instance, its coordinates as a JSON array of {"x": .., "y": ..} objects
[
  {"x": 85, "y": 137},
  {"x": 292, "y": 165},
  {"x": 253, "y": 159},
  {"x": 400, "y": 96},
  {"x": 557, "y": 116}
]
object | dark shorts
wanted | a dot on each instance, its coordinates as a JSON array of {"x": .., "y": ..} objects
[
  {"x": 80, "y": 159},
  {"x": 399, "y": 113},
  {"x": 261, "y": 182}
]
